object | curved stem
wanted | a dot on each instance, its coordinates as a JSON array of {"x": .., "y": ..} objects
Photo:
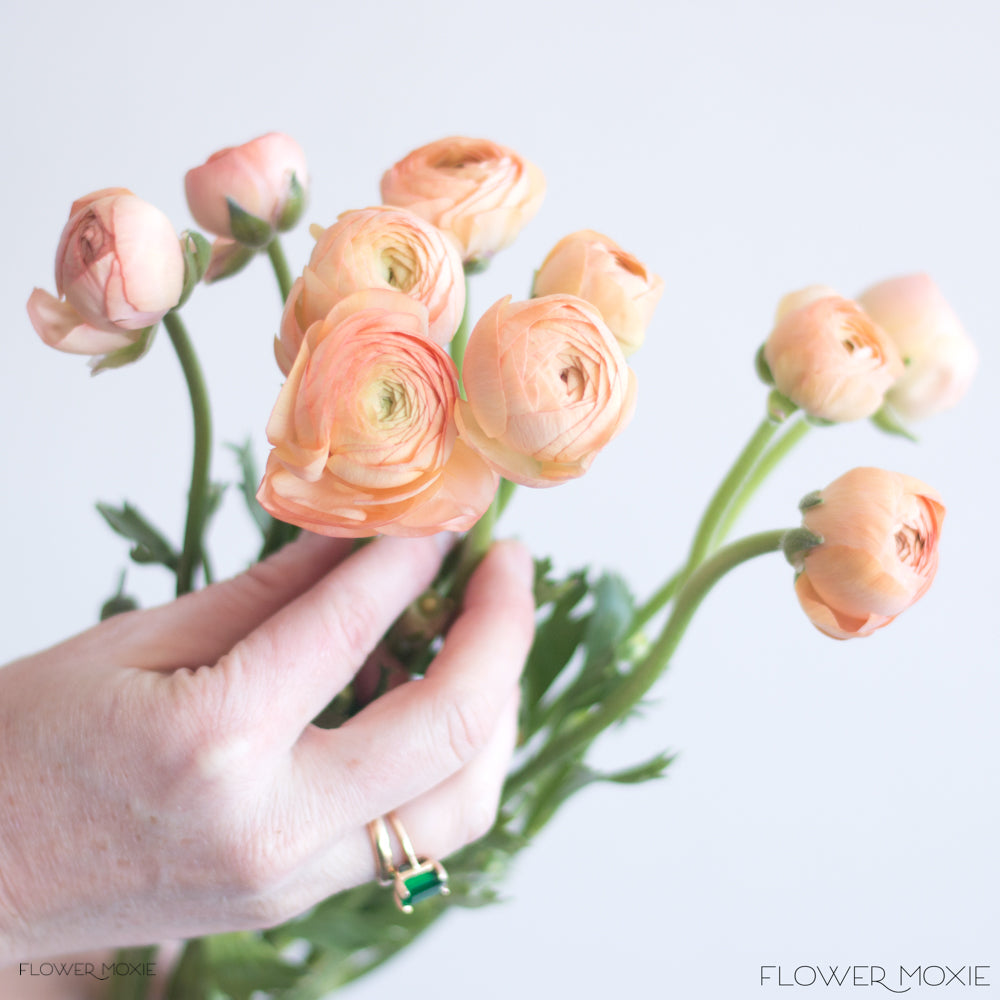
[
  {"x": 723, "y": 496},
  {"x": 649, "y": 669},
  {"x": 475, "y": 545},
  {"x": 459, "y": 341},
  {"x": 279, "y": 263},
  {"x": 191, "y": 554},
  {"x": 767, "y": 464},
  {"x": 504, "y": 493}
]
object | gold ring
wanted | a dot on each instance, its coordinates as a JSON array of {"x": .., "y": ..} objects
[{"x": 415, "y": 879}]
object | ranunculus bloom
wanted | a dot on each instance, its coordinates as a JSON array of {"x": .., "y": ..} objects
[
  {"x": 547, "y": 386},
  {"x": 119, "y": 269},
  {"x": 595, "y": 268},
  {"x": 375, "y": 248},
  {"x": 481, "y": 193},
  {"x": 828, "y": 357},
  {"x": 363, "y": 430},
  {"x": 256, "y": 177},
  {"x": 879, "y": 554},
  {"x": 939, "y": 355}
]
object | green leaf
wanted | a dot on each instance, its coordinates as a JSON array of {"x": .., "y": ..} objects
[
  {"x": 151, "y": 546},
  {"x": 294, "y": 205},
  {"x": 124, "y": 355},
  {"x": 134, "y": 985},
  {"x": 238, "y": 964},
  {"x": 197, "y": 253},
  {"x": 249, "y": 483},
  {"x": 609, "y": 622}
]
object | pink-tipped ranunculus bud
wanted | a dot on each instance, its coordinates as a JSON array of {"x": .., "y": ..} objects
[
  {"x": 878, "y": 553},
  {"x": 479, "y": 192},
  {"x": 247, "y": 192},
  {"x": 364, "y": 433},
  {"x": 375, "y": 248},
  {"x": 595, "y": 268},
  {"x": 830, "y": 358},
  {"x": 119, "y": 270},
  {"x": 547, "y": 386},
  {"x": 939, "y": 355}
]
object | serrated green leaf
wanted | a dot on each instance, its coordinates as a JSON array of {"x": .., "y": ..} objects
[
  {"x": 248, "y": 485},
  {"x": 151, "y": 546}
]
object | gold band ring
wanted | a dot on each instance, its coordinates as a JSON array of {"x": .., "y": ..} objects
[{"x": 415, "y": 879}]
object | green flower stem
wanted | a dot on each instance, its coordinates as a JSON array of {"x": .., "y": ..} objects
[
  {"x": 767, "y": 464},
  {"x": 649, "y": 669},
  {"x": 504, "y": 493},
  {"x": 719, "y": 503},
  {"x": 191, "y": 555},
  {"x": 460, "y": 340},
  {"x": 475, "y": 545},
  {"x": 279, "y": 262}
]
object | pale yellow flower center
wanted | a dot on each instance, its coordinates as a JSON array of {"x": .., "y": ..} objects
[
  {"x": 400, "y": 267},
  {"x": 389, "y": 402}
]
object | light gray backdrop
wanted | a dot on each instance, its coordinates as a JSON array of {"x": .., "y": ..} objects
[{"x": 831, "y": 803}]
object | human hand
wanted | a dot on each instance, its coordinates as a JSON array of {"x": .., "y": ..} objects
[{"x": 160, "y": 777}]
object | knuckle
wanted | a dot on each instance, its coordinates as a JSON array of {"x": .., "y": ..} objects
[{"x": 469, "y": 723}]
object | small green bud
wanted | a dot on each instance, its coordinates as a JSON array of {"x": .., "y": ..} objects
[
  {"x": 247, "y": 228},
  {"x": 294, "y": 206},
  {"x": 119, "y": 603},
  {"x": 796, "y": 543},
  {"x": 476, "y": 266}
]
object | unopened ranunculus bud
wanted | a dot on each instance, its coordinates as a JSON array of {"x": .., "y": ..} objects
[
  {"x": 830, "y": 358},
  {"x": 119, "y": 270},
  {"x": 597, "y": 269},
  {"x": 480, "y": 193},
  {"x": 878, "y": 552},
  {"x": 248, "y": 192},
  {"x": 939, "y": 355}
]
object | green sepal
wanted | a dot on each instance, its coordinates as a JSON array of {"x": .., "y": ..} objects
[
  {"x": 797, "y": 543},
  {"x": 236, "y": 257},
  {"x": 887, "y": 421},
  {"x": 811, "y": 500},
  {"x": 294, "y": 206},
  {"x": 119, "y": 602},
  {"x": 779, "y": 407},
  {"x": 819, "y": 421},
  {"x": 125, "y": 355},
  {"x": 248, "y": 485},
  {"x": 197, "y": 253},
  {"x": 762, "y": 368},
  {"x": 151, "y": 546},
  {"x": 476, "y": 266},
  {"x": 247, "y": 228}
]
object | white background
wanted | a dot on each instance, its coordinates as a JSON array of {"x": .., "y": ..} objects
[{"x": 831, "y": 802}]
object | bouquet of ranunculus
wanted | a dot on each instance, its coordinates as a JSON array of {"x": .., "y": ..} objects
[{"x": 406, "y": 411}]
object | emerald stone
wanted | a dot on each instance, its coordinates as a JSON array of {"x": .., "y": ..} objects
[{"x": 421, "y": 885}]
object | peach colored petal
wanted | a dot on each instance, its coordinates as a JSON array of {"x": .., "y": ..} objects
[{"x": 62, "y": 327}]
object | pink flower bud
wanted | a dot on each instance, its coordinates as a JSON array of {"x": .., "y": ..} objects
[
  {"x": 363, "y": 430},
  {"x": 879, "y": 552},
  {"x": 595, "y": 268},
  {"x": 548, "y": 388},
  {"x": 479, "y": 192},
  {"x": 119, "y": 269},
  {"x": 939, "y": 355},
  {"x": 261, "y": 178},
  {"x": 376, "y": 248},
  {"x": 828, "y": 357}
]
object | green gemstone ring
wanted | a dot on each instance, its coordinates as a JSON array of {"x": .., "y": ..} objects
[{"x": 413, "y": 881}]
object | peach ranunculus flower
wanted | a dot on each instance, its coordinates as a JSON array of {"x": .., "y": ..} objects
[
  {"x": 258, "y": 187},
  {"x": 119, "y": 270},
  {"x": 828, "y": 356},
  {"x": 363, "y": 431},
  {"x": 940, "y": 356},
  {"x": 548, "y": 388},
  {"x": 481, "y": 193},
  {"x": 375, "y": 248},
  {"x": 879, "y": 550},
  {"x": 594, "y": 267}
]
